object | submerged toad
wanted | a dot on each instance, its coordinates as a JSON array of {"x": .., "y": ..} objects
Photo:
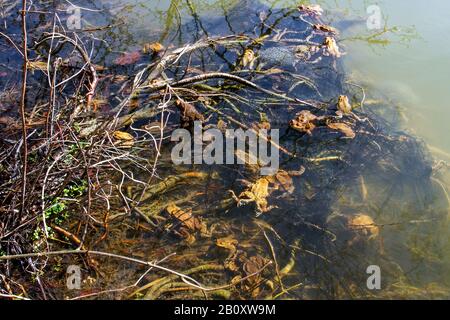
[
  {"x": 238, "y": 261},
  {"x": 188, "y": 224},
  {"x": 257, "y": 193},
  {"x": 261, "y": 189},
  {"x": 230, "y": 244},
  {"x": 304, "y": 122},
  {"x": 363, "y": 228},
  {"x": 343, "y": 105}
]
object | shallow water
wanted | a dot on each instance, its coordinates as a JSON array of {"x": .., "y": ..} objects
[
  {"x": 410, "y": 73},
  {"x": 414, "y": 71},
  {"x": 408, "y": 67}
]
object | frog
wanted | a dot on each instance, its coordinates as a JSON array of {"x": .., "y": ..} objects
[
  {"x": 304, "y": 122},
  {"x": 326, "y": 29},
  {"x": 343, "y": 105},
  {"x": 252, "y": 269},
  {"x": 261, "y": 189},
  {"x": 363, "y": 228},
  {"x": 123, "y": 139},
  {"x": 230, "y": 244},
  {"x": 331, "y": 48},
  {"x": 188, "y": 225},
  {"x": 256, "y": 193},
  {"x": 246, "y": 267}
]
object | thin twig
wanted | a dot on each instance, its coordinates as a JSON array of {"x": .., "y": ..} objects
[
  {"x": 216, "y": 75},
  {"x": 23, "y": 105}
]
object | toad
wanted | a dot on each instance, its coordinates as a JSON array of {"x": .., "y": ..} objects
[
  {"x": 248, "y": 268},
  {"x": 259, "y": 191},
  {"x": 188, "y": 225},
  {"x": 343, "y": 105},
  {"x": 256, "y": 193},
  {"x": 230, "y": 244},
  {"x": 363, "y": 228},
  {"x": 304, "y": 122}
]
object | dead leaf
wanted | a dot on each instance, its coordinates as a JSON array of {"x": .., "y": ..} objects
[
  {"x": 344, "y": 128},
  {"x": 99, "y": 68},
  {"x": 99, "y": 103},
  {"x": 133, "y": 103},
  {"x": 120, "y": 78},
  {"x": 297, "y": 173},
  {"x": 191, "y": 69},
  {"x": 154, "y": 127},
  {"x": 9, "y": 122},
  {"x": 274, "y": 71},
  {"x": 260, "y": 40}
]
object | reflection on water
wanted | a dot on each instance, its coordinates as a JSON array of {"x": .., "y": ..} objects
[{"x": 414, "y": 72}]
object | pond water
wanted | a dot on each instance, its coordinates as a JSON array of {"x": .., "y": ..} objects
[
  {"x": 408, "y": 66},
  {"x": 378, "y": 200},
  {"x": 412, "y": 70}
]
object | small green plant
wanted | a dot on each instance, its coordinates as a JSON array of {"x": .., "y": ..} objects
[
  {"x": 76, "y": 190},
  {"x": 57, "y": 211},
  {"x": 73, "y": 150},
  {"x": 58, "y": 266},
  {"x": 36, "y": 234}
]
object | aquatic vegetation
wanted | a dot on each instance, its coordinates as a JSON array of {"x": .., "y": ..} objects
[{"x": 347, "y": 175}]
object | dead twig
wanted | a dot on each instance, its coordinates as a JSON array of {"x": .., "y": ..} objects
[
  {"x": 23, "y": 105},
  {"x": 216, "y": 75},
  {"x": 94, "y": 78}
]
